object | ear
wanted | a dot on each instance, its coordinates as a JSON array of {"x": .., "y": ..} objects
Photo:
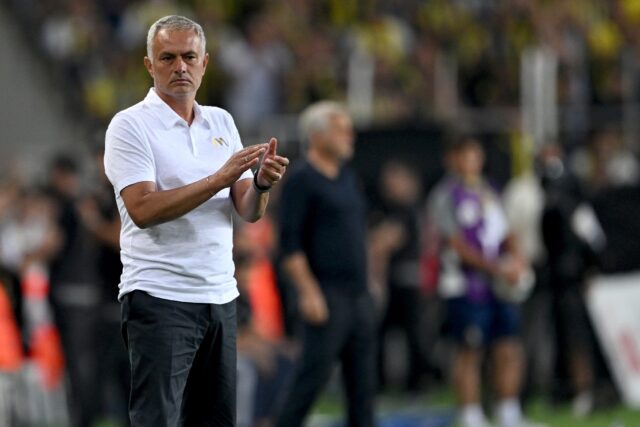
[
  {"x": 205, "y": 61},
  {"x": 149, "y": 66}
]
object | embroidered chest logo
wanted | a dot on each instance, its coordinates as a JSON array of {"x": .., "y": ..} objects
[{"x": 220, "y": 142}]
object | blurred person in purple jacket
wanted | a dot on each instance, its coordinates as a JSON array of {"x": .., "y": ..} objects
[{"x": 479, "y": 253}]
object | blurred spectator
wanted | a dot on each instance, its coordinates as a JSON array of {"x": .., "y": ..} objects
[
  {"x": 475, "y": 228},
  {"x": 400, "y": 190},
  {"x": 75, "y": 287},
  {"x": 571, "y": 237},
  {"x": 324, "y": 253}
]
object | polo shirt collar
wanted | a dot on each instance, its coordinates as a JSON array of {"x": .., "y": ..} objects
[{"x": 167, "y": 116}]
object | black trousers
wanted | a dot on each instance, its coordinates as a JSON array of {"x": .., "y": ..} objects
[
  {"x": 183, "y": 362},
  {"x": 78, "y": 332},
  {"x": 348, "y": 337},
  {"x": 403, "y": 310}
]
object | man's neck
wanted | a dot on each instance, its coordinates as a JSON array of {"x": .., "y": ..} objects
[
  {"x": 183, "y": 106},
  {"x": 471, "y": 180},
  {"x": 326, "y": 165}
]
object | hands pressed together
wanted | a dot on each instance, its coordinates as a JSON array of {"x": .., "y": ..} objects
[{"x": 271, "y": 166}]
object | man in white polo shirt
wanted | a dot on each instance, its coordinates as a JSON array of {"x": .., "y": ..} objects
[{"x": 179, "y": 170}]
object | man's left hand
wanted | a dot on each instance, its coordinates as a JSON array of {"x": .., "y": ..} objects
[{"x": 272, "y": 166}]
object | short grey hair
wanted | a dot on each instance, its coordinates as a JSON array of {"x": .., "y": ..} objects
[
  {"x": 173, "y": 23},
  {"x": 315, "y": 118}
]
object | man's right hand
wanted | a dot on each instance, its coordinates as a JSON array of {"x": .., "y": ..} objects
[
  {"x": 311, "y": 302},
  {"x": 511, "y": 269},
  {"x": 313, "y": 307}
]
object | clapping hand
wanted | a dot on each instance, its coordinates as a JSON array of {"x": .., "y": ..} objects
[{"x": 272, "y": 167}]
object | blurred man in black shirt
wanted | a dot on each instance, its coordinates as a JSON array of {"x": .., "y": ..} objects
[{"x": 322, "y": 218}]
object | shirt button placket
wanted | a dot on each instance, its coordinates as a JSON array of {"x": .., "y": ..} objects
[{"x": 192, "y": 140}]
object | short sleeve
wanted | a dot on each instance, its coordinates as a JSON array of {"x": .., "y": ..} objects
[
  {"x": 293, "y": 212},
  {"x": 127, "y": 157}
]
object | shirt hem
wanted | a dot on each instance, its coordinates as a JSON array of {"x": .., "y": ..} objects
[{"x": 223, "y": 297}]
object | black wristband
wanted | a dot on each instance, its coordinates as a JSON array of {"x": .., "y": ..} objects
[{"x": 260, "y": 189}]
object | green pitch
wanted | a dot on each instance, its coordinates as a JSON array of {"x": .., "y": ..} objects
[{"x": 328, "y": 412}]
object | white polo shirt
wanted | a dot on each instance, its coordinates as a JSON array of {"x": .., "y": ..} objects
[{"x": 188, "y": 259}]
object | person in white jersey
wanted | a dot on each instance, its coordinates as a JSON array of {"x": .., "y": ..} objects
[{"x": 179, "y": 170}]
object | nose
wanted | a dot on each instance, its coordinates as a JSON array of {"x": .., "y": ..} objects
[{"x": 181, "y": 66}]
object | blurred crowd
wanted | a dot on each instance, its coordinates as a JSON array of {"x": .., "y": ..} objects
[
  {"x": 59, "y": 261},
  {"x": 273, "y": 58}
]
